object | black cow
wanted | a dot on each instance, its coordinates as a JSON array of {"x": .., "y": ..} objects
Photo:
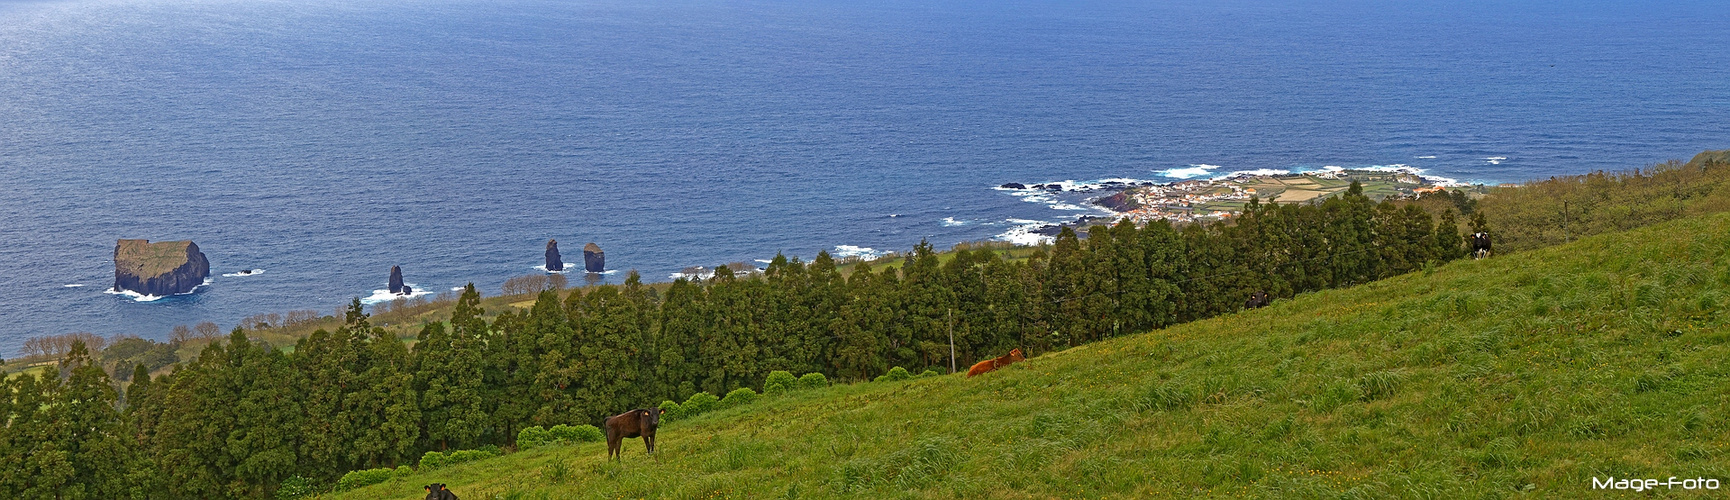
[
  {"x": 437, "y": 491},
  {"x": 1480, "y": 245},
  {"x": 630, "y": 424},
  {"x": 1258, "y": 299}
]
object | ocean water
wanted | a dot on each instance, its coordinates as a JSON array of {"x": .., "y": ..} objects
[{"x": 325, "y": 141}]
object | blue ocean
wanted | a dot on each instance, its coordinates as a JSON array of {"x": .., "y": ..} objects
[{"x": 325, "y": 141}]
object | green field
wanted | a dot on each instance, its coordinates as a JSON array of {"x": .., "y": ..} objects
[{"x": 1521, "y": 375}]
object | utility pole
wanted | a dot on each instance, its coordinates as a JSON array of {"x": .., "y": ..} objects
[{"x": 952, "y": 341}]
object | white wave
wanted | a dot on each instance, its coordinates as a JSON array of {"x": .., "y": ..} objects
[
  {"x": 139, "y": 297},
  {"x": 1185, "y": 173},
  {"x": 867, "y": 253},
  {"x": 568, "y": 268},
  {"x": 1022, "y": 234},
  {"x": 459, "y": 289},
  {"x": 765, "y": 261},
  {"x": 244, "y": 273},
  {"x": 385, "y": 295},
  {"x": 1066, "y": 206},
  {"x": 1427, "y": 157},
  {"x": 1495, "y": 160},
  {"x": 73, "y": 285},
  {"x": 951, "y": 222},
  {"x": 894, "y": 215},
  {"x": 1255, "y": 172}
]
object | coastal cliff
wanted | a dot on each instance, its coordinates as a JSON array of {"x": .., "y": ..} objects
[
  {"x": 594, "y": 260},
  {"x": 554, "y": 261},
  {"x": 162, "y": 268}
]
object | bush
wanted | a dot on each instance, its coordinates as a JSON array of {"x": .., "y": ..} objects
[
  {"x": 895, "y": 374},
  {"x": 928, "y": 373},
  {"x": 813, "y": 380},
  {"x": 295, "y": 487},
  {"x": 698, "y": 404},
  {"x": 779, "y": 382},
  {"x": 739, "y": 397},
  {"x": 463, "y": 456},
  {"x": 433, "y": 460},
  {"x": 529, "y": 437},
  {"x": 576, "y": 434},
  {"x": 360, "y": 478},
  {"x": 672, "y": 409},
  {"x": 402, "y": 471}
]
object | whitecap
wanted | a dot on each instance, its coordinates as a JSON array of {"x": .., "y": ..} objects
[
  {"x": 1495, "y": 160},
  {"x": 244, "y": 273},
  {"x": 385, "y": 295},
  {"x": 139, "y": 297},
  {"x": 1022, "y": 234},
  {"x": 73, "y": 285},
  {"x": 951, "y": 222},
  {"x": 1194, "y": 170},
  {"x": 1427, "y": 157},
  {"x": 1255, "y": 172},
  {"x": 568, "y": 268},
  {"x": 866, "y": 253}
]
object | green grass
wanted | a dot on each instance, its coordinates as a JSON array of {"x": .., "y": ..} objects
[{"x": 1523, "y": 375}]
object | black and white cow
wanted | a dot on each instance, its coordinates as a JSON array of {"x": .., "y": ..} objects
[{"x": 1480, "y": 245}]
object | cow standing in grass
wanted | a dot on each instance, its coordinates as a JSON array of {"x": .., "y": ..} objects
[
  {"x": 437, "y": 491},
  {"x": 1258, "y": 299},
  {"x": 993, "y": 364},
  {"x": 630, "y": 424},
  {"x": 1480, "y": 242}
]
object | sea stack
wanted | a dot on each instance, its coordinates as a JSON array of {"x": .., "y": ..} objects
[
  {"x": 593, "y": 258},
  {"x": 162, "y": 268},
  {"x": 554, "y": 263},
  {"x": 396, "y": 279}
]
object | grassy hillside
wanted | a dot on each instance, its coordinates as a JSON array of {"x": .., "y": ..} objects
[{"x": 1527, "y": 374}]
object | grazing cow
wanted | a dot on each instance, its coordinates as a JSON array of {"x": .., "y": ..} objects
[
  {"x": 1480, "y": 242},
  {"x": 437, "y": 491},
  {"x": 993, "y": 364},
  {"x": 1258, "y": 299},
  {"x": 630, "y": 424}
]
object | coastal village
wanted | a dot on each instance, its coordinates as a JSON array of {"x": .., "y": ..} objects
[{"x": 1221, "y": 198}]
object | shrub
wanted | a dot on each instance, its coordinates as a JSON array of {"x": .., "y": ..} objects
[
  {"x": 359, "y": 478},
  {"x": 673, "y": 411},
  {"x": 462, "y": 456},
  {"x": 895, "y": 374},
  {"x": 779, "y": 382},
  {"x": 698, "y": 404},
  {"x": 928, "y": 373},
  {"x": 527, "y": 438},
  {"x": 432, "y": 460},
  {"x": 295, "y": 487},
  {"x": 576, "y": 434},
  {"x": 739, "y": 397},
  {"x": 813, "y": 380},
  {"x": 402, "y": 471}
]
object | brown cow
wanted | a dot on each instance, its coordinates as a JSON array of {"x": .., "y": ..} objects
[
  {"x": 993, "y": 364},
  {"x": 630, "y": 424}
]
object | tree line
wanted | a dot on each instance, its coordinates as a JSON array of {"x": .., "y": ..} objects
[{"x": 244, "y": 416}]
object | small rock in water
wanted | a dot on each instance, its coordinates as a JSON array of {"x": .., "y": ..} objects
[
  {"x": 1013, "y": 185},
  {"x": 396, "y": 285}
]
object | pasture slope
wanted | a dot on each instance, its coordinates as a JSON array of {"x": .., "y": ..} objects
[{"x": 1523, "y": 375}]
